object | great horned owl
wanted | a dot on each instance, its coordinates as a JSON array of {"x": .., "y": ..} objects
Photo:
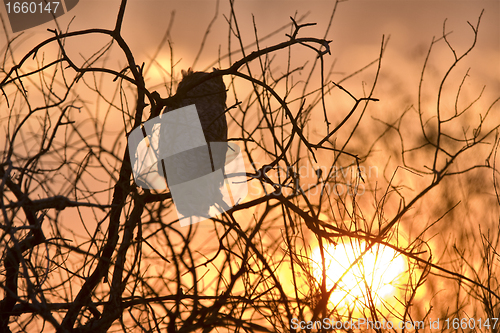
[{"x": 210, "y": 99}]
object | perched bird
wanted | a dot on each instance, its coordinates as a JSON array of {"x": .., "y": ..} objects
[{"x": 209, "y": 97}]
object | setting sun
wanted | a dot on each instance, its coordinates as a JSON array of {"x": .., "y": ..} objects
[{"x": 376, "y": 272}]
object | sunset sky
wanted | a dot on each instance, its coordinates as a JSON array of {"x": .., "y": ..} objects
[{"x": 357, "y": 32}]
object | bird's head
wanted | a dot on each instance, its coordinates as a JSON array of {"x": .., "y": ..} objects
[{"x": 197, "y": 85}]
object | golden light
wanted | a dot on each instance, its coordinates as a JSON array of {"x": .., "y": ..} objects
[{"x": 376, "y": 273}]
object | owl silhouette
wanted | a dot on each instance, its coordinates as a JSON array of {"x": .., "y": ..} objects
[{"x": 209, "y": 97}]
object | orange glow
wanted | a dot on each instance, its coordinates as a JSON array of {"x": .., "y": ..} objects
[{"x": 376, "y": 272}]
